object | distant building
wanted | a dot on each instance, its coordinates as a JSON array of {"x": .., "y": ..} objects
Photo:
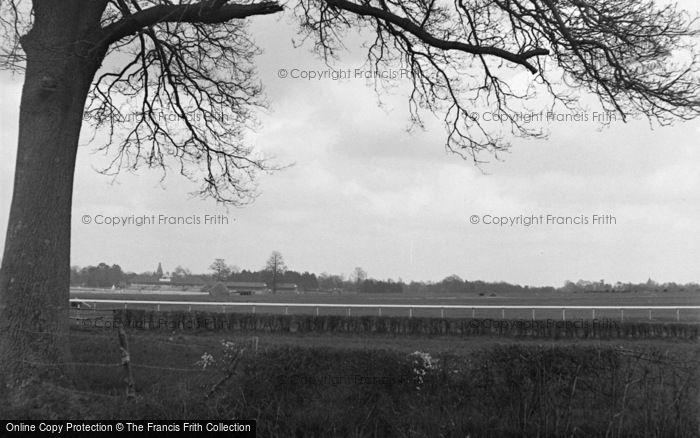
[
  {"x": 170, "y": 282},
  {"x": 205, "y": 284},
  {"x": 287, "y": 287},
  {"x": 243, "y": 288},
  {"x": 239, "y": 288}
]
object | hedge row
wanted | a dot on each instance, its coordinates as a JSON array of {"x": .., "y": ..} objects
[
  {"x": 579, "y": 329},
  {"x": 503, "y": 391}
]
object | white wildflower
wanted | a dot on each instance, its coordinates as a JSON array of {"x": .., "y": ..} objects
[
  {"x": 205, "y": 361},
  {"x": 422, "y": 363}
]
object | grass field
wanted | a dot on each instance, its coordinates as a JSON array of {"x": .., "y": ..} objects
[{"x": 552, "y": 299}]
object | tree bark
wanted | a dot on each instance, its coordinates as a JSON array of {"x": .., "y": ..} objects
[{"x": 63, "y": 54}]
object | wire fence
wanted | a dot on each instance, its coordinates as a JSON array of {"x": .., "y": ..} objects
[
  {"x": 107, "y": 367},
  {"x": 117, "y": 341},
  {"x": 113, "y": 337}
]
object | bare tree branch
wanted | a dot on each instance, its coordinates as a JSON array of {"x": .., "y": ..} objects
[
  {"x": 204, "y": 12},
  {"x": 185, "y": 91},
  {"x": 418, "y": 30},
  {"x": 635, "y": 57}
]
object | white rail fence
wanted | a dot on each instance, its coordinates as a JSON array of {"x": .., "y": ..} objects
[{"x": 458, "y": 310}]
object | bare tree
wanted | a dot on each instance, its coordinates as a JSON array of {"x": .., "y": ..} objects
[
  {"x": 276, "y": 267},
  {"x": 172, "y": 83},
  {"x": 221, "y": 269},
  {"x": 358, "y": 276},
  {"x": 191, "y": 62},
  {"x": 181, "y": 272}
]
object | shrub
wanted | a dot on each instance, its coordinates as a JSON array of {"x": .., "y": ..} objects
[
  {"x": 500, "y": 391},
  {"x": 219, "y": 291}
]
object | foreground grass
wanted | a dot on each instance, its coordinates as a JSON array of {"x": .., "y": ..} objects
[{"x": 345, "y": 385}]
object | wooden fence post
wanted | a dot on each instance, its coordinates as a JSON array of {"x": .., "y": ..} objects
[{"x": 126, "y": 361}]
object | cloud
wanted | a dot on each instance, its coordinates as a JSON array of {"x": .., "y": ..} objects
[{"x": 363, "y": 191}]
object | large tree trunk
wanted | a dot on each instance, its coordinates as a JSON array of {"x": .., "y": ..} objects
[{"x": 35, "y": 273}]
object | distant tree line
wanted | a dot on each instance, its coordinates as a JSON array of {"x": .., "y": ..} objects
[
  {"x": 584, "y": 286},
  {"x": 370, "y": 286},
  {"x": 104, "y": 275},
  {"x": 101, "y": 275},
  {"x": 454, "y": 285}
]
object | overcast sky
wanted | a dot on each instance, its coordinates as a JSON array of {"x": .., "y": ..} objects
[{"x": 365, "y": 192}]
